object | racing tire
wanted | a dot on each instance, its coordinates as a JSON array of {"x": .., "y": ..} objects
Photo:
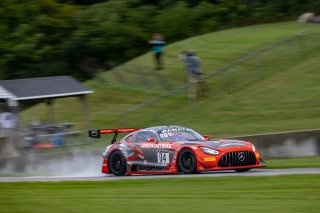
[
  {"x": 242, "y": 170},
  {"x": 187, "y": 162},
  {"x": 117, "y": 163}
]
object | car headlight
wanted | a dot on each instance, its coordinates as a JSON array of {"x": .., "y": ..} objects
[
  {"x": 209, "y": 151},
  {"x": 253, "y": 148}
]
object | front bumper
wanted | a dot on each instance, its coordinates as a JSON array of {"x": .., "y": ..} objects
[{"x": 239, "y": 159}]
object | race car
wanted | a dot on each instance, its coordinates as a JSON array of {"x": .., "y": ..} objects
[{"x": 173, "y": 149}]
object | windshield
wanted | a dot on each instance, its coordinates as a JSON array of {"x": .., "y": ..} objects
[{"x": 179, "y": 134}]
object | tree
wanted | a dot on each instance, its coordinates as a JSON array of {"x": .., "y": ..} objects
[
  {"x": 110, "y": 33},
  {"x": 32, "y": 43}
]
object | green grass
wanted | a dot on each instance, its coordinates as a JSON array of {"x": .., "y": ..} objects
[
  {"x": 284, "y": 101},
  {"x": 302, "y": 162},
  {"x": 292, "y": 193},
  {"x": 215, "y": 49},
  {"x": 276, "y": 93}
]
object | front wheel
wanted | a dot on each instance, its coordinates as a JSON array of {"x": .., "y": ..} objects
[
  {"x": 187, "y": 161},
  {"x": 117, "y": 163},
  {"x": 242, "y": 170}
]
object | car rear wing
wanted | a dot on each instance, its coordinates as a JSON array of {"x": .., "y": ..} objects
[{"x": 96, "y": 133}]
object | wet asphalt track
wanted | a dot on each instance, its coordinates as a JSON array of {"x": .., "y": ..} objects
[{"x": 254, "y": 172}]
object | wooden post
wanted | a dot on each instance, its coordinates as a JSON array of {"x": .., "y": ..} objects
[
  {"x": 86, "y": 113},
  {"x": 14, "y": 136},
  {"x": 50, "y": 111}
]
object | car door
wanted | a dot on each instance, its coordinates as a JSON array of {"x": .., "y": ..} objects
[{"x": 148, "y": 148}]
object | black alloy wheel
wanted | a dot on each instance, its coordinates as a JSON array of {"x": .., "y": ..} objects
[
  {"x": 242, "y": 170},
  {"x": 187, "y": 162},
  {"x": 117, "y": 163}
]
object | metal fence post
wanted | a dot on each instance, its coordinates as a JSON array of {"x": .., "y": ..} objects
[
  {"x": 156, "y": 114},
  {"x": 120, "y": 78},
  {"x": 123, "y": 121},
  {"x": 303, "y": 50},
  {"x": 258, "y": 64},
  {"x": 291, "y": 52}
]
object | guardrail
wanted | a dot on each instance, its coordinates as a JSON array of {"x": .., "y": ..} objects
[
  {"x": 273, "y": 145},
  {"x": 286, "y": 144}
]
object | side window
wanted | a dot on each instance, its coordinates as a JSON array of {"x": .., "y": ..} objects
[
  {"x": 129, "y": 138},
  {"x": 143, "y": 136}
]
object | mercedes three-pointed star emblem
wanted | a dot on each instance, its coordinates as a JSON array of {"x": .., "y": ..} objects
[{"x": 241, "y": 156}]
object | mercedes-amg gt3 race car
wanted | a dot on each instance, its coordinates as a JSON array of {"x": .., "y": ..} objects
[{"x": 173, "y": 149}]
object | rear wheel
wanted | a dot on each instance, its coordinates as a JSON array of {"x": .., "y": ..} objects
[
  {"x": 242, "y": 170},
  {"x": 117, "y": 163},
  {"x": 187, "y": 161}
]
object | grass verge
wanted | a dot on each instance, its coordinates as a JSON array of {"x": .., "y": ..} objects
[
  {"x": 290, "y": 193},
  {"x": 301, "y": 162}
]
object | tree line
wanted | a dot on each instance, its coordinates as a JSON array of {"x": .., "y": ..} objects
[{"x": 78, "y": 37}]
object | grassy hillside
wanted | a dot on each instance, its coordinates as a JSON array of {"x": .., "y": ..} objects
[
  {"x": 287, "y": 100},
  {"x": 275, "y": 93},
  {"x": 215, "y": 49}
]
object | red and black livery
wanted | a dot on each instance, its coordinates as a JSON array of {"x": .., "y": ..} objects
[{"x": 173, "y": 149}]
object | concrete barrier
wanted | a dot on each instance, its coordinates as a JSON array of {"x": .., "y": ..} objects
[
  {"x": 286, "y": 144},
  {"x": 273, "y": 145}
]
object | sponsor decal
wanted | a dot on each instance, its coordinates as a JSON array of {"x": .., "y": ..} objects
[
  {"x": 176, "y": 130},
  {"x": 152, "y": 169},
  {"x": 170, "y": 132},
  {"x": 155, "y": 146},
  {"x": 209, "y": 159},
  {"x": 156, "y": 169},
  {"x": 232, "y": 144},
  {"x": 165, "y": 135}
]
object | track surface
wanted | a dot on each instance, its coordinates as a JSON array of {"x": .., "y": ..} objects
[{"x": 254, "y": 172}]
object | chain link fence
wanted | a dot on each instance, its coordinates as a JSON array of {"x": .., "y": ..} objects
[{"x": 239, "y": 74}]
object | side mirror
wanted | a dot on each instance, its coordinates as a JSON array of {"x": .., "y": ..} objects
[
  {"x": 206, "y": 137},
  {"x": 150, "y": 140}
]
